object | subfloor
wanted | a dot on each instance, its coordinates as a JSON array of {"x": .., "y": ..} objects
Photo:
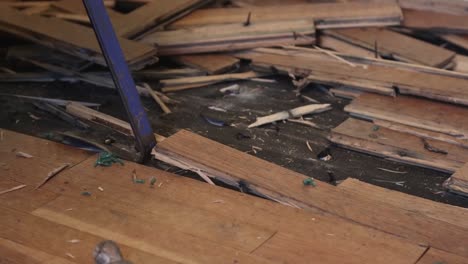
[{"x": 283, "y": 143}]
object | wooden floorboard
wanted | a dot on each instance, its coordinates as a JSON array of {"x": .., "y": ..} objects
[
  {"x": 284, "y": 185},
  {"x": 395, "y": 45},
  {"x": 179, "y": 220},
  {"x": 326, "y": 15},
  {"x": 414, "y": 112},
  {"x": 370, "y": 138},
  {"x": 440, "y": 211},
  {"x": 374, "y": 75},
  {"x": 52, "y": 32}
]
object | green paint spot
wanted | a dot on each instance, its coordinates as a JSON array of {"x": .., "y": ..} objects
[
  {"x": 106, "y": 159},
  {"x": 140, "y": 181},
  {"x": 153, "y": 181},
  {"x": 309, "y": 182}
]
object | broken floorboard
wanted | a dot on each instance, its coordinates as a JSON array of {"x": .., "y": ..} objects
[
  {"x": 54, "y": 33},
  {"x": 190, "y": 151},
  {"x": 369, "y": 138},
  {"x": 367, "y": 74},
  {"x": 181, "y": 220},
  {"x": 458, "y": 182},
  {"x": 325, "y": 15},
  {"x": 217, "y": 38},
  {"x": 145, "y": 17},
  {"x": 395, "y": 45},
  {"x": 426, "y": 118}
]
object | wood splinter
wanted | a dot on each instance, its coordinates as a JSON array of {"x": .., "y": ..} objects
[
  {"x": 289, "y": 114},
  {"x": 13, "y": 189},
  {"x": 52, "y": 174},
  {"x": 158, "y": 100}
]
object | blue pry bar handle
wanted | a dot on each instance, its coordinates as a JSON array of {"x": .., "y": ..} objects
[{"x": 145, "y": 140}]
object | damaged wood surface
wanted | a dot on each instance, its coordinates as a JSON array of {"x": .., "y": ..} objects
[
  {"x": 215, "y": 38},
  {"x": 277, "y": 183},
  {"x": 395, "y": 45},
  {"x": 373, "y": 75},
  {"x": 72, "y": 224},
  {"x": 368, "y": 138},
  {"x": 90, "y": 114},
  {"x": 419, "y": 113},
  {"x": 458, "y": 182},
  {"x": 325, "y": 15},
  {"x": 54, "y": 33}
]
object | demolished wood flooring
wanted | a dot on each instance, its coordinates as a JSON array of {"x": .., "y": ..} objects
[{"x": 180, "y": 220}]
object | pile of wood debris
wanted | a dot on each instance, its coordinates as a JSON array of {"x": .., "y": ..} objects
[{"x": 402, "y": 62}]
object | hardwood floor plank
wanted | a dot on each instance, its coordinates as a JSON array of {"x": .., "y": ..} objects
[
  {"x": 15, "y": 253},
  {"x": 414, "y": 112},
  {"x": 368, "y": 74},
  {"x": 230, "y": 165},
  {"x": 396, "y": 45},
  {"x": 144, "y": 234},
  {"x": 53, "y": 32},
  {"x": 326, "y": 15},
  {"x": 440, "y": 211},
  {"x": 51, "y": 238},
  {"x": 364, "y": 136}
]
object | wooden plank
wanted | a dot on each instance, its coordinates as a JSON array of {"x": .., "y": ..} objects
[
  {"x": 395, "y": 45},
  {"x": 430, "y": 20},
  {"x": 153, "y": 14},
  {"x": 172, "y": 85},
  {"x": 118, "y": 225},
  {"x": 420, "y": 132},
  {"x": 191, "y": 201},
  {"x": 228, "y": 165},
  {"x": 209, "y": 63},
  {"x": 415, "y": 112},
  {"x": 458, "y": 182},
  {"x": 375, "y": 75},
  {"x": 443, "y": 212},
  {"x": 434, "y": 256},
  {"x": 92, "y": 115},
  {"x": 54, "y": 154},
  {"x": 15, "y": 253},
  {"x": 366, "y": 137},
  {"x": 52, "y": 32},
  {"x": 332, "y": 43},
  {"x": 325, "y": 15},
  {"x": 51, "y": 238},
  {"x": 216, "y": 38},
  {"x": 26, "y": 199}
]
